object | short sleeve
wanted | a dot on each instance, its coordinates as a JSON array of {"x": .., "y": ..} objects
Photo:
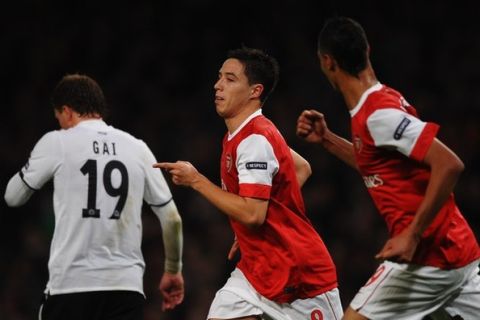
[
  {"x": 44, "y": 160},
  {"x": 256, "y": 166},
  {"x": 157, "y": 191},
  {"x": 394, "y": 128}
]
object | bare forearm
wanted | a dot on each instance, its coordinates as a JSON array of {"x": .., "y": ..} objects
[
  {"x": 302, "y": 168},
  {"x": 440, "y": 186},
  {"x": 340, "y": 147},
  {"x": 236, "y": 207}
]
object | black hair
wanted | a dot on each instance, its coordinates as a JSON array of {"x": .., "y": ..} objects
[
  {"x": 345, "y": 40},
  {"x": 259, "y": 68},
  {"x": 81, "y": 93}
]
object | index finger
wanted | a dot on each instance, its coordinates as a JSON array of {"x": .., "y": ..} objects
[
  {"x": 164, "y": 165},
  {"x": 313, "y": 114}
]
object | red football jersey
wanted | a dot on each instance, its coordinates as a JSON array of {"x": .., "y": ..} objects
[
  {"x": 390, "y": 142},
  {"x": 285, "y": 258}
]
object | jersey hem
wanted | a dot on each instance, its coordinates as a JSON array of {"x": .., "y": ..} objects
[
  {"x": 161, "y": 204},
  {"x": 23, "y": 179},
  {"x": 251, "y": 190},
  {"x": 424, "y": 141},
  {"x": 53, "y": 292}
]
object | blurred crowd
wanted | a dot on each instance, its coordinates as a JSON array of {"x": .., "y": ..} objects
[{"x": 157, "y": 62}]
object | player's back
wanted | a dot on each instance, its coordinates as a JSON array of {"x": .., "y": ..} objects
[
  {"x": 99, "y": 182},
  {"x": 390, "y": 143}
]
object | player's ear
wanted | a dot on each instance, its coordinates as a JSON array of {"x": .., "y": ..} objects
[
  {"x": 70, "y": 115},
  {"x": 329, "y": 62},
  {"x": 256, "y": 90}
]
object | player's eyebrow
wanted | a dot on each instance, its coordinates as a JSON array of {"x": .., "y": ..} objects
[{"x": 230, "y": 74}]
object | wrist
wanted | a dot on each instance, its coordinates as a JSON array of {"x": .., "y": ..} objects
[
  {"x": 415, "y": 232},
  {"x": 173, "y": 267},
  {"x": 327, "y": 140},
  {"x": 198, "y": 182}
]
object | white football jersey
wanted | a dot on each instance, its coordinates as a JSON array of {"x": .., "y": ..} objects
[{"x": 101, "y": 177}]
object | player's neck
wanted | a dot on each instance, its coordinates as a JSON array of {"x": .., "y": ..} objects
[
  {"x": 235, "y": 121},
  {"x": 353, "y": 88},
  {"x": 78, "y": 118}
]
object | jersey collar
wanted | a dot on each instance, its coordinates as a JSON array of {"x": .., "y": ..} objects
[
  {"x": 244, "y": 123},
  {"x": 364, "y": 97},
  {"x": 91, "y": 123}
]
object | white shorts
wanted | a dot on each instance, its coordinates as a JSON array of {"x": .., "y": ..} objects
[
  {"x": 405, "y": 291},
  {"x": 237, "y": 298}
]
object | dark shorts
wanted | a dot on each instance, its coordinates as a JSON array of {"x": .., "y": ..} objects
[{"x": 95, "y": 305}]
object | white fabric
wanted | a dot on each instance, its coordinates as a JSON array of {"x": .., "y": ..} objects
[
  {"x": 256, "y": 161},
  {"x": 96, "y": 253},
  {"x": 171, "y": 223},
  {"x": 243, "y": 124},
  {"x": 409, "y": 292},
  {"x": 393, "y": 128},
  {"x": 364, "y": 96},
  {"x": 17, "y": 192},
  {"x": 237, "y": 298}
]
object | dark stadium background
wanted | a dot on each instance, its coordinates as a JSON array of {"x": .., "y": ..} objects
[{"x": 157, "y": 62}]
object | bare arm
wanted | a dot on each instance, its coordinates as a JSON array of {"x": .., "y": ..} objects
[
  {"x": 446, "y": 168},
  {"x": 302, "y": 168},
  {"x": 312, "y": 127},
  {"x": 248, "y": 211}
]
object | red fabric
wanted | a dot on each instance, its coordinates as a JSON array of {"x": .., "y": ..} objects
[
  {"x": 424, "y": 141},
  {"x": 397, "y": 185},
  {"x": 255, "y": 191},
  {"x": 285, "y": 258}
]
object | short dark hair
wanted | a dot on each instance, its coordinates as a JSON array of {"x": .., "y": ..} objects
[
  {"x": 81, "y": 93},
  {"x": 345, "y": 40},
  {"x": 259, "y": 68}
]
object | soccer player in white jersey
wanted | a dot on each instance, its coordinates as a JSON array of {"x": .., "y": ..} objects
[
  {"x": 285, "y": 271},
  {"x": 431, "y": 259},
  {"x": 101, "y": 177}
]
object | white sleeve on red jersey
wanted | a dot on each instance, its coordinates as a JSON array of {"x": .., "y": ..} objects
[
  {"x": 256, "y": 161},
  {"x": 394, "y": 128}
]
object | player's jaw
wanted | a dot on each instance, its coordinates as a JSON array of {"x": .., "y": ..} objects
[{"x": 220, "y": 104}]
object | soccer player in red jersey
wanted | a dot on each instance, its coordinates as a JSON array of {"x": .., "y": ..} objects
[
  {"x": 285, "y": 270},
  {"x": 430, "y": 262}
]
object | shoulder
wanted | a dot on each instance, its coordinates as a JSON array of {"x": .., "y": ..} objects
[
  {"x": 264, "y": 126},
  {"x": 51, "y": 137},
  {"x": 386, "y": 97},
  {"x": 129, "y": 137},
  {"x": 389, "y": 100}
]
